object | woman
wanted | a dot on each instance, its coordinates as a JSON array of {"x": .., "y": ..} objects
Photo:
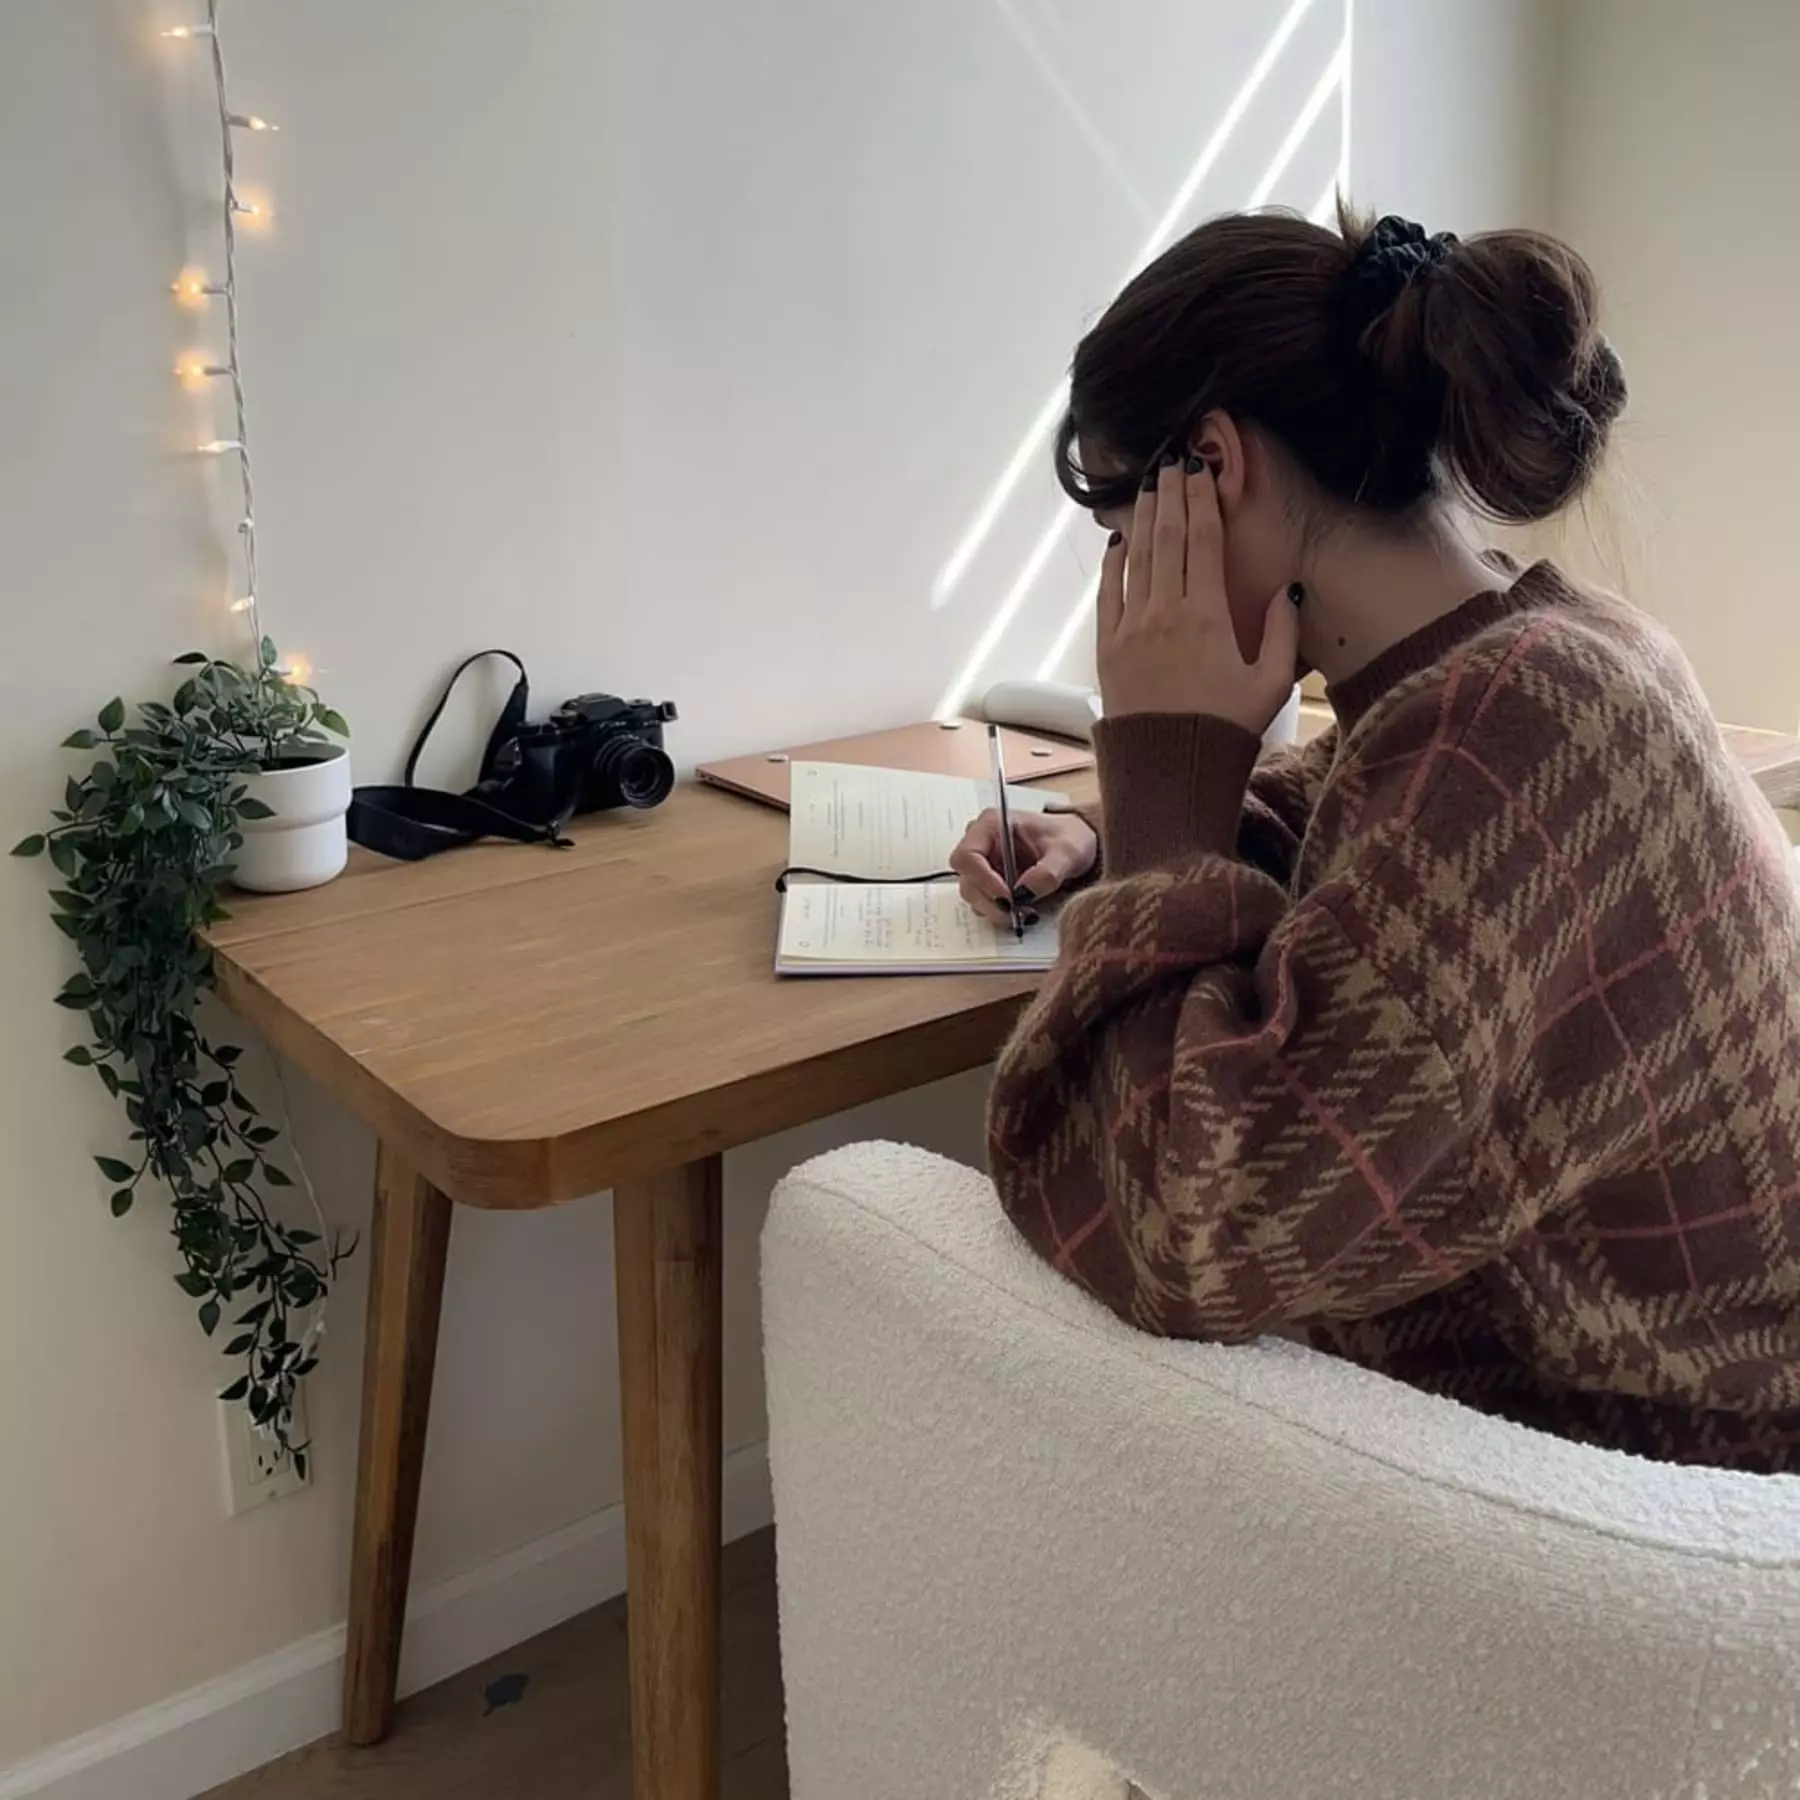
[{"x": 1464, "y": 1041}]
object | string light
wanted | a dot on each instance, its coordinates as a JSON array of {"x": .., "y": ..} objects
[
  {"x": 246, "y": 208},
  {"x": 192, "y": 289},
  {"x": 193, "y": 370},
  {"x": 252, "y": 209},
  {"x": 298, "y": 671}
]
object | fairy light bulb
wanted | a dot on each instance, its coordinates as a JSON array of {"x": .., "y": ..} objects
[
  {"x": 250, "y": 122},
  {"x": 252, "y": 209},
  {"x": 187, "y": 31},
  {"x": 193, "y": 370},
  {"x": 243, "y": 605},
  {"x": 191, "y": 288},
  {"x": 218, "y": 447},
  {"x": 298, "y": 671}
]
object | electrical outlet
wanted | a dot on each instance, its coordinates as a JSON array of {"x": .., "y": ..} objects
[{"x": 254, "y": 1473}]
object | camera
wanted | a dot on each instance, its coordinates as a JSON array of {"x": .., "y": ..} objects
[{"x": 594, "y": 752}]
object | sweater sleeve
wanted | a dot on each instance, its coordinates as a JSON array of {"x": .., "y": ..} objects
[{"x": 1217, "y": 1115}]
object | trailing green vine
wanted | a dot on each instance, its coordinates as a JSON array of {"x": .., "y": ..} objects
[{"x": 144, "y": 842}]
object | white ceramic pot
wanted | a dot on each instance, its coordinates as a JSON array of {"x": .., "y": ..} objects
[
  {"x": 1285, "y": 728},
  {"x": 304, "y": 845}
]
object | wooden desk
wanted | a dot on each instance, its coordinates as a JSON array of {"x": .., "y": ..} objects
[{"x": 522, "y": 1027}]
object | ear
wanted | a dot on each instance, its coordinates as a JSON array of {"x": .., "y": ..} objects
[{"x": 1221, "y": 444}]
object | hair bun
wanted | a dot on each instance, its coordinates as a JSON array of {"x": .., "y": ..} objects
[{"x": 1494, "y": 367}]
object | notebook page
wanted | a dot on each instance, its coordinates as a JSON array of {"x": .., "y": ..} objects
[
  {"x": 886, "y": 824},
  {"x": 922, "y": 925}
]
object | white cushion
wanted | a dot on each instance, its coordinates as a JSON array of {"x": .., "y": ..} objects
[{"x": 1007, "y": 1523}]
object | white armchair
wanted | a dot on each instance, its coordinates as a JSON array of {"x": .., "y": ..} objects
[{"x": 1025, "y": 1552}]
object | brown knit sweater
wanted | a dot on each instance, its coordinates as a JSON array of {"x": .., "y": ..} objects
[{"x": 1465, "y": 1040}]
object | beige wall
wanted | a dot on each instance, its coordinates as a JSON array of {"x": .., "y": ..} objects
[
  {"x": 672, "y": 343},
  {"x": 1678, "y": 146}
]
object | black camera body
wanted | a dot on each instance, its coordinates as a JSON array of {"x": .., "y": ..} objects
[{"x": 594, "y": 752}]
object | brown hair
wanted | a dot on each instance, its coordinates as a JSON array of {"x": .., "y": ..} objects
[{"x": 1391, "y": 366}]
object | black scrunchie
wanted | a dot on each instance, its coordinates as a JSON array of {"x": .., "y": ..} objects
[{"x": 1394, "y": 254}]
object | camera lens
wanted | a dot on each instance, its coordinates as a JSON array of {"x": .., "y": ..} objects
[{"x": 644, "y": 774}]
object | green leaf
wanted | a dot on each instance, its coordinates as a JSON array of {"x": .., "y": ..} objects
[
  {"x": 31, "y": 846},
  {"x": 275, "y": 1177},
  {"x": 270, "y": 655},
  {"x": 189, "y": 658},
  {"x": 333, "y": 722},
  {"x": 74, "y": 794},
  {"x": 251, "y": 808},
  {"x": 256, "y": 1313},
  {"x": 239, "y": 1345},
  {"x": 112, "y": 715},
  {"x": 114, "y": 1170},
  {"x": 303, "y": 1237},
  {"x": 209, "y": 1317},
  {"x": 77, "y": 993},
  {"x": 121, "y": 1203},
  {"x": 226, "y": 1055},
  {"x": 80, "y": 1055},
  {"x": 80, "y": 740},
  {"x": 192, "y": 1283},
  {"x": 241, "y": 1170},
  {"x": 63, "y": 855},
  {"x": 237, "y": 1390}
]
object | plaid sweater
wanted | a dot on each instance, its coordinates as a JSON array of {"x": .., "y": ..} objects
[{"x": 1464, "y": 1041}]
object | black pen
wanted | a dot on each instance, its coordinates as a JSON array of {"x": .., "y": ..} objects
[{"x": 1009, "y": 861}]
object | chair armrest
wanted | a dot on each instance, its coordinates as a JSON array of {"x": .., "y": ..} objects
[{"x": 1005, "y": 1520}]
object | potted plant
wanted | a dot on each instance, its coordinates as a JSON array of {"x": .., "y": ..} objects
[{"x": 170, "y": 810}]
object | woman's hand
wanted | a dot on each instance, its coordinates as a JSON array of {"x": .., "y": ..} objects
[
  {"x": 1166, "y": 643},
  {"x": 1052, "y": 850}
]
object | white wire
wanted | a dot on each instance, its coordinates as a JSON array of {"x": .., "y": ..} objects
[{"x": 227, "y": 156}]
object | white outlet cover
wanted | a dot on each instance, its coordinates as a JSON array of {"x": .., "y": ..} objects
[{"x": 253, "y": 1474}]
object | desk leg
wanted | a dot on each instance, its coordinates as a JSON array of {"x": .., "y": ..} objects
[
  {"x": 667, "y": 1256},
  {"x": 411, "y": 1238}
]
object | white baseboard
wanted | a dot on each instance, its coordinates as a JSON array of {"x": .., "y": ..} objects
[{"x": 182, "y": 1746}]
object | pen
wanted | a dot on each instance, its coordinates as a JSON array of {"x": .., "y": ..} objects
[{"x": 1009, "y": 862}]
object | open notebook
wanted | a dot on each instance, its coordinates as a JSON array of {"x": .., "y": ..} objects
[{"x": 879, "y": 830}]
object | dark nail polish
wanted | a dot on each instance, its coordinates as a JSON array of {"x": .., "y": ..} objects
[
  {"x": 1003, "y": 903},
  {"x": 1296, "y": 592},
  {"x": 1170, "y": 457},
  {"x": 1028, "y": 919},
  {"x": 1149, "y": 481},
  {"x": 1117, "y": 538},
  {"x": 1023, "y": 895},
  {"x": 1195, "y": 463}
]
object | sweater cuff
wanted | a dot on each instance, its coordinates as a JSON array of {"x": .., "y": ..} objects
[{"x": 1171, "y": 787}]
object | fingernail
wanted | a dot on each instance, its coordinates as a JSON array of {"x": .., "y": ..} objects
[
  {"x": 1296, "y": 592},
  {"x": 1170, "y": 457},
  {"x": 1150, "y": 475},
  {"x": 1195, "y": 463},
  {"x": 1028, "y": 918},
  {"x": 1023, "y": 894},
  {"x": 1117, "y": 538},
  {"x": 1004, "y": 904}
]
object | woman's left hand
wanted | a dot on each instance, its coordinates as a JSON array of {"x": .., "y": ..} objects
[{"x": 1166, "y": 640}]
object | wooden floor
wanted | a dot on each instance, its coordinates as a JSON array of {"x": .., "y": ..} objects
[{"x": 547, "y": 1721}]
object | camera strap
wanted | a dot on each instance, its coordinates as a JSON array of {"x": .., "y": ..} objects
[{"x": 410, "y": 823}]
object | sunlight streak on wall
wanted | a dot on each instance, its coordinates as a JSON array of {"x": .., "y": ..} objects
[{"x": 950, "y": 576}]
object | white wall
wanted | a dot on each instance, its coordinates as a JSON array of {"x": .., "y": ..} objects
[
  {"x": 674, "y": 344},
  {"x": 1678, "y": 143}
]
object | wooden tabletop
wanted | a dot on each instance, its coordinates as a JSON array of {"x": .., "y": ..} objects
[{"x": 528, "y": 1025}]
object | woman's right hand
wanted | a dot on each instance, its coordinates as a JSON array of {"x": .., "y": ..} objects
[{"x": 1051, "y": 850}]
